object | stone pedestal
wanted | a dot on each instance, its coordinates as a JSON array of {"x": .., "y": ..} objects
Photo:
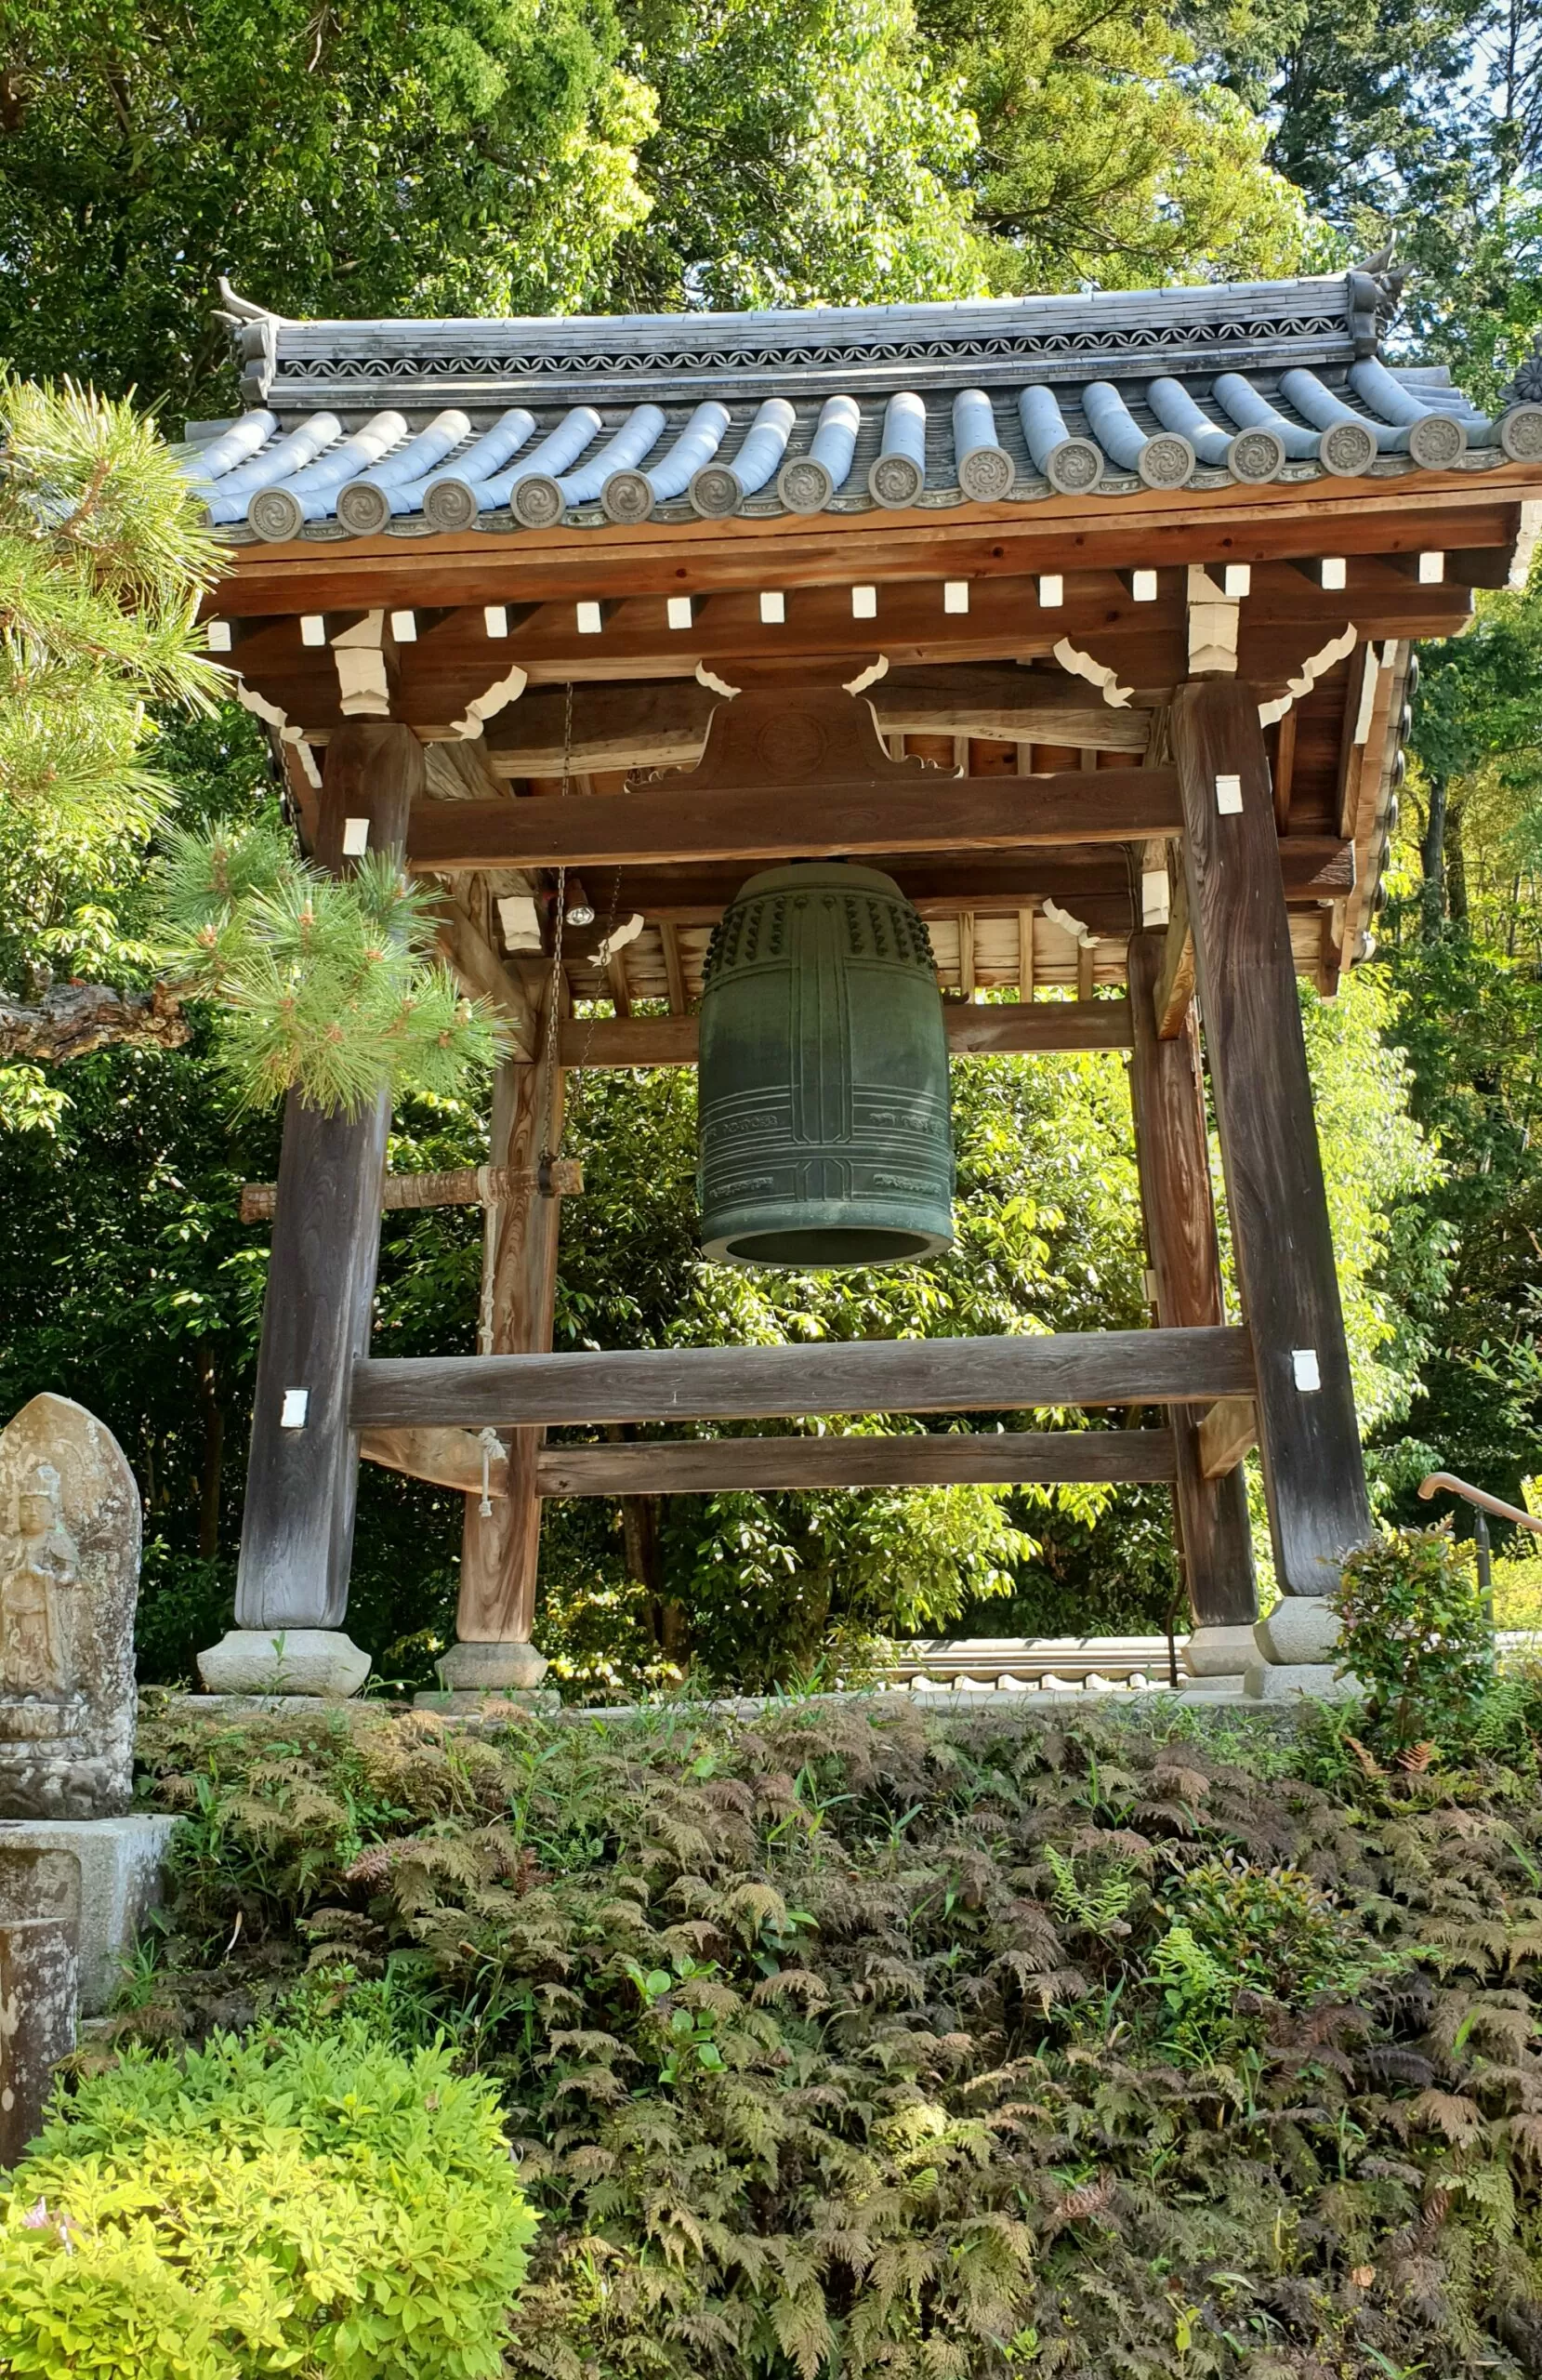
[
  {"x": 322, "y": 1661},
  {"x": 1219, "y": 1652},
  {"x": 39, "y": 1929},
  {"x": 1294, "y": 1654},
  {"x": 121, "y": 1864},
  {"x": 478, "y": 1677}
]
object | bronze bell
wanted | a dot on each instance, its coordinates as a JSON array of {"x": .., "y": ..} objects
[{"x": 825, "y": 1137}]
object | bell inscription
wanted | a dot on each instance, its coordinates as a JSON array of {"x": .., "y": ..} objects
[{"x": 69, "y": 1581}]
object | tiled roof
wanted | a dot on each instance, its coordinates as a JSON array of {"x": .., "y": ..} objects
[{"x": 418, "y": 426}]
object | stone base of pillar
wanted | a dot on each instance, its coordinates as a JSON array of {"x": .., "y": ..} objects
[
  {"x": 1219, "y": 1652},
  {"x": 320, "y": 1661},
  {"x": 1294, "y": 1655},
  {"x": 482, "y": 1677},
  {"x": 492, "y": 1668}
]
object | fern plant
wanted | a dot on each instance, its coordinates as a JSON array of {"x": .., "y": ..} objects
[{"x": 959, "y": 2126}]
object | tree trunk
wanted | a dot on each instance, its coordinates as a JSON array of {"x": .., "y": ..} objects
[
  {"x": 214, "y": 1450},
  {"x": 1432, "y": 860},
  {"x": 1456, "y": 865},
  {"x": 639, "y": 1528}
]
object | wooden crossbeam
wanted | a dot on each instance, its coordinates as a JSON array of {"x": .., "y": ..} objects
[
  {"x": 1090, "y": 880},
  {"x": 655, "y": 827},
  {"x": 704, "y": 1466},
  {"x": 998, "y": 1029},
  {"x": 749, "y": 1383},
  {"x": 1252, "y": 524}
]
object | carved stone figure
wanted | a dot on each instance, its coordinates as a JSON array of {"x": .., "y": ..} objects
[{"x": 69, "y": 1581}]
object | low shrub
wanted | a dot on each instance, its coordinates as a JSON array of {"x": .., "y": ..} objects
[
  {"x": 312, "y": 2205},
  {"x": 1416, "y": 1635}
]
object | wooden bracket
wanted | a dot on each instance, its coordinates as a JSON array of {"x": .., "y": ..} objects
[{"x": 1226, "y": 1433}]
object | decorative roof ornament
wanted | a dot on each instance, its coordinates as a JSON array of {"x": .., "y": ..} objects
[
  {"x": 1525, "y": 389},
  {"x": 1375, "y": 298}
]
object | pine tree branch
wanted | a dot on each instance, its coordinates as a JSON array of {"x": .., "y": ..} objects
[{"x": 73, "y": 1019}]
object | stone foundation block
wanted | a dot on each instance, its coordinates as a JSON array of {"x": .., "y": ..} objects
[
  {"x": 1218, "y": 1652},
  {"x": 284, "y": 1660},
  {"x": 121, "y": 1864},
  {"x": 1301, "y": 1628},
  {"x": 493, "y": 1667},
  {"x": 1293, "y": 1681}
]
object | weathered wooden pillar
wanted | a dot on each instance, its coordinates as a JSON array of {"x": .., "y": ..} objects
[
  {"x": 1168, "y": 1097},
  {"x": 297, "y": 1538},
  {"x": 500, "y": 1552},
  {"x": 1309, "y": 1441}
]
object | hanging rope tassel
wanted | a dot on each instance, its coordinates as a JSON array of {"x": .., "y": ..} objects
[{"x": 491, "y": 1445}]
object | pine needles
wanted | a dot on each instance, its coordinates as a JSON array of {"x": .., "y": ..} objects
[
  {"x": 325, "y": 984},
  {"x": 103, "y": 560}
]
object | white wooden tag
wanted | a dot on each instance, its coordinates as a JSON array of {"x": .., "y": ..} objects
[
  {"x": 1304, "y": 1365},
  {"x": 355, "y": 838},
  {"x": 1228, "y": 796},
  {"x": 296, "y": 1405}
]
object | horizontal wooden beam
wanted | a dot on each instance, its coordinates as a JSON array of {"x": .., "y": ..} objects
[
  {"x": 1226, "y": 1433},
  {"x": 1005, "y": 1459},
  {"x": 1064, "y": 535},
  {"x": 944, "y": 813},
  {"x": 750, "y": 1384},
  {"x": 1091, "y": 880},
  {"x": 994, "y": 1029}
]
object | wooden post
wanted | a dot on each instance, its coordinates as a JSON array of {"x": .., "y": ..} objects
[
  {"x": 1309, "y": 1441},
  {"x": 500, "y": 1551},
  {"x": 301, "y": 1482},
  {"x": 1168, "y": 1097}
]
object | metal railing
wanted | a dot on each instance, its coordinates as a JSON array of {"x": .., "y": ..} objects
[{"x": 1482, "y": 1503}]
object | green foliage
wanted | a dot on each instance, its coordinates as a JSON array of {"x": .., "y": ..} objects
[
  {"x": 803, "y": 151},
  {"x": 1415, "y": 1634},
  {"x": 324, "y": 986},
  {"x": 477, "y": 157},
  {"x": 843, "y": 2039},
  {"x": 1240, "y": 1933},
  {"x": 1104, "y": 159},
  {"x": 316, "y": 2205}
]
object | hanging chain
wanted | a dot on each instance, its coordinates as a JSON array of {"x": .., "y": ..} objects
[{"x": 554, "y": 989}]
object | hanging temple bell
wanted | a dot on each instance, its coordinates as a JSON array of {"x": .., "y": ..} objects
[{"x": 825, "y": 1136}]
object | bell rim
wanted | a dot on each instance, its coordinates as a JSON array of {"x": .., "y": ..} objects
[{"x": 729, "y": 1247}]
